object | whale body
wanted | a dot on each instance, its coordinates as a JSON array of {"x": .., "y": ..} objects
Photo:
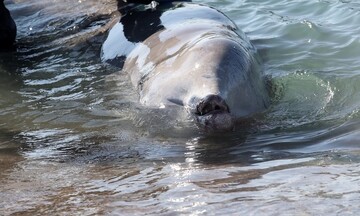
[{"x": 188, "y": 55}]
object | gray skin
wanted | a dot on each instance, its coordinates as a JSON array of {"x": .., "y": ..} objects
[{"x": 197, "y": 59}]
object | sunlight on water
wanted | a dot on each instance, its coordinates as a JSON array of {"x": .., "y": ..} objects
[{"x": 75, "y": 140}]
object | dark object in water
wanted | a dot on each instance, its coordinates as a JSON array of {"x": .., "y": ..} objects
[{"x": 7, "y": 29}]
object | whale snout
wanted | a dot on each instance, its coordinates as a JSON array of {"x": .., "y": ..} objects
[
  {"x": 211, "y": 104},
  {"x": 213, "y": 113}
]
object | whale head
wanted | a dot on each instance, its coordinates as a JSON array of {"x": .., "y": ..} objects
[{"x": 197, "y": 61}]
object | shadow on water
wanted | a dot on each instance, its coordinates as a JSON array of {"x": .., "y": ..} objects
[{"x": 10, "y": 152}]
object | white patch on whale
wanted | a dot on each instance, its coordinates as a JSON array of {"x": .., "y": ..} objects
[{"x": 116, "y": 44}]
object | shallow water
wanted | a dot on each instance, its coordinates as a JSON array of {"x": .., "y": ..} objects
[{"x": 74, "y": 140}]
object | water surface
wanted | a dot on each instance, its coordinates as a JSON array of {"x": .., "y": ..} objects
[{"x": 74, "y": 139}]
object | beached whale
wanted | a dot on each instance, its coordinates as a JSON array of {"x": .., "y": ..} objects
[{"x": 189, "y": 55}]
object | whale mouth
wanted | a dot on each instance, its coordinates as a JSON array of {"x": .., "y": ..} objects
[
  {"x": 212, "y": 113},
  {"x": 211, "y": 104}
]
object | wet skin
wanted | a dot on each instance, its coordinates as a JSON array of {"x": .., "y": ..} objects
[{"x": 188, "y": 55}]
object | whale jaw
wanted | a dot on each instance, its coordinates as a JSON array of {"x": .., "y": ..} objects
[{"x": 216, "y": 121}]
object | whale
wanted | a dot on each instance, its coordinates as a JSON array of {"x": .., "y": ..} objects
[{"x": 191, "y": 56}]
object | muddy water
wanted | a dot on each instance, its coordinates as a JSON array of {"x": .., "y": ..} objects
[{"x": 74, "y": 140}]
